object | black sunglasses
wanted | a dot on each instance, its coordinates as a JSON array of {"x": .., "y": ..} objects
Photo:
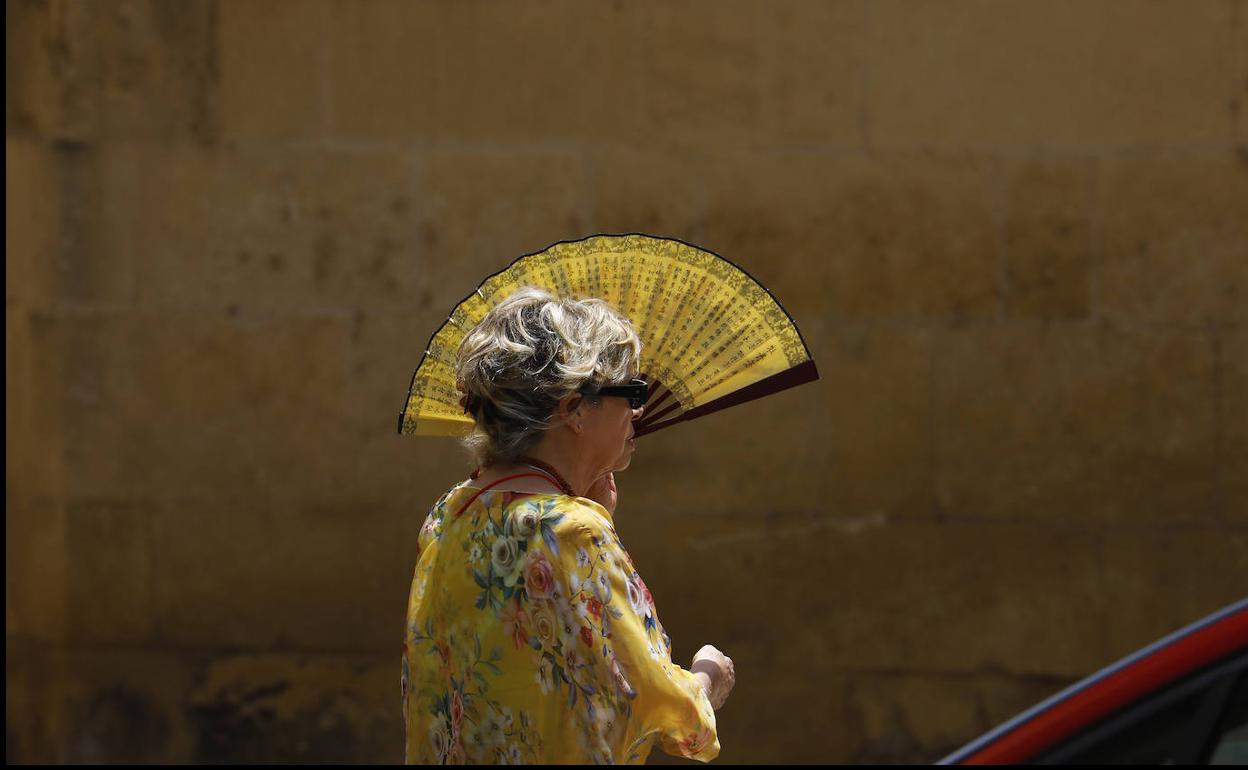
[{"x": 636, "y": 392}]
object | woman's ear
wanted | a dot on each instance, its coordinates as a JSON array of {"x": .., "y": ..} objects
[{"x": 568, "y": 406}]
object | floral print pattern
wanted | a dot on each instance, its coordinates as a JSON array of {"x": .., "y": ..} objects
[{"x": 531, "y": 638}]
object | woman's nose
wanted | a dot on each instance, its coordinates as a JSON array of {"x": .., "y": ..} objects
[{"x": 638, "y": 412}]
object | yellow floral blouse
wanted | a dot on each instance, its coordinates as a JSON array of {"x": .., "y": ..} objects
[{"x": 531, "y": 638}]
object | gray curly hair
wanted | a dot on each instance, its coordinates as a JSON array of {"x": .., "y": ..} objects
[{"x": 530, "y": 351}]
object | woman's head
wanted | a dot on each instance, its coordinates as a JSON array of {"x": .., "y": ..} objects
[{"x": 522, "y": 367}]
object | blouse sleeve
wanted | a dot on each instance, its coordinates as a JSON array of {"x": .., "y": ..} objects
[{"x": 626, "y": 649}]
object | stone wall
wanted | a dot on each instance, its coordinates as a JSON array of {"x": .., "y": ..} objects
[{"x": 1014, "y": 234}]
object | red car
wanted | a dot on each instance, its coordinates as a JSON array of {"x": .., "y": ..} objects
[{"x": 1182, "y": 700}]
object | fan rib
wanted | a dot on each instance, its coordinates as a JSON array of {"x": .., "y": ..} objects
[{"x": 798, "y": 375}]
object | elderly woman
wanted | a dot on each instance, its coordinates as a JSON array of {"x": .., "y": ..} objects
[{"x": 530, "y": 636}]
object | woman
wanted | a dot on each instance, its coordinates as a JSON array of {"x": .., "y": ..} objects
[{"x": 530, "y": 637}]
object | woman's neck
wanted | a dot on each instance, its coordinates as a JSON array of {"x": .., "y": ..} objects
[
  {"x": 578, "y": 471},
  {"x": 579, "y": 477}
]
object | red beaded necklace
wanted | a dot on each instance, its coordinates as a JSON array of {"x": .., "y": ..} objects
[
  {"x": 559, "y": 480},
  {"x": 545, "y": 469}
]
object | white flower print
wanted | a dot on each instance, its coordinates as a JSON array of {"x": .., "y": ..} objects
[
  {"x": 505, "y": 557},
  {"x": 525, "y": 522}
]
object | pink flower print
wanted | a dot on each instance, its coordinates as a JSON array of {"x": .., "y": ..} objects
[
  {"x": 515, "y": 622},
  {"x": 539, "y": 578}
]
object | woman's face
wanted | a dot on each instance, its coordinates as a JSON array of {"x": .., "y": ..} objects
[{"x": 609, "y": 432}]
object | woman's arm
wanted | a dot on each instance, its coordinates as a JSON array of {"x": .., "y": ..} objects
[
  {"x": 712, "y": 669},
  {"x": 716, "y": 672},
  {"x": 621, "y": 645}
]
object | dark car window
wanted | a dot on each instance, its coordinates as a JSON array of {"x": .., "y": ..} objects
[
  {"x": 1230, "y": 740},
  {"x": 1156, "y": 739},
  {"x": 1170, "y": 727}
]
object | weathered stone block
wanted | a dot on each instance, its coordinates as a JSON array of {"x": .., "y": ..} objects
[
  {"x": 659, "y": 193},
  {"x": 1158, "y": 580},
  {"x": 701, "y": 81},
  {"x": 333, "y": 576},
  {"x": 382, "y": 70},
  {"x": 539, "y": 72},
  {"x": 96, "y": 255},
  {"x": 36, "y": 569},
  {"x": 698, "y": 466},
  {"x": 880, "y": 422},
  {"x": 1163, "y": 73},
  {"x": 76, "y": 705},
  {"x": 405, "y": 473},
  {"x": 343, "y": 230},
  {"x": 253, "y": 414},
  {"x": 339, "y": 229},
  {"x": 36, "y": 563},
  {"x": 297, "y": 708},
  {"x": 127, "y": 706},
  {"x": 1048, "y": 239},
  {"x": 811, "y": 60},
  {"x": 851, "y": 446},
  {"x": 878, "y": 593},
  {"x": 897, "y": 237},
  {"x": 1233, "y": 452},
  {"x": 18, "y": 390},
  {"x": 31, "y": 107},
  {"x": 1175, "y": 239},
  {"x": 799, "y": 711},
  {"x": 31, "y": 238},
  {"x": 137, "y": 71},
  {"x": 1066, "y": 75},
  {"x": 83, "y": 705},
  {"x": 254, "y": 228},
  {"x": 902, "y": 717},
  {"x": 482, "y": 210},
  {"x": 33, "y": 434},
  {"x": 777, "y": 703},
  {"x": 686, "y": 74},
  {"x": 34, "y": 720},
  {"x": 274, "y": 69},
  {"x": 109, "y": 545},
  {"x": 400, "y": 476},
  {"x": 1075, "y": 423},
  {"x": 1005, "y": 698},
  {"x": 165, "y": 215},
  {"x": 1237, "y": 105},
  {"x": 467, "y": 71}
]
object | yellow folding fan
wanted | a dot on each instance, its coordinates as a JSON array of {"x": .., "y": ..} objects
[{"x": 711, "y": 336}]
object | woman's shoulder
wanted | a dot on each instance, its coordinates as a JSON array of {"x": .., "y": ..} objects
[
  {"x": 560, "y": 512},
  {"x": 578, "y": 511},
  {"x": 565, "y": 516},
  {"x": 440, "y": 506}
]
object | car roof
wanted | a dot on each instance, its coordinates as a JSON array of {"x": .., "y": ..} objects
[{"x": 1205, "y": 641}]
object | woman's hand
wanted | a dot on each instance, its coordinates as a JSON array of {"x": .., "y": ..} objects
[
  {"x": 603, "y": 492},
  {"x": 718, "y": 673}
]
